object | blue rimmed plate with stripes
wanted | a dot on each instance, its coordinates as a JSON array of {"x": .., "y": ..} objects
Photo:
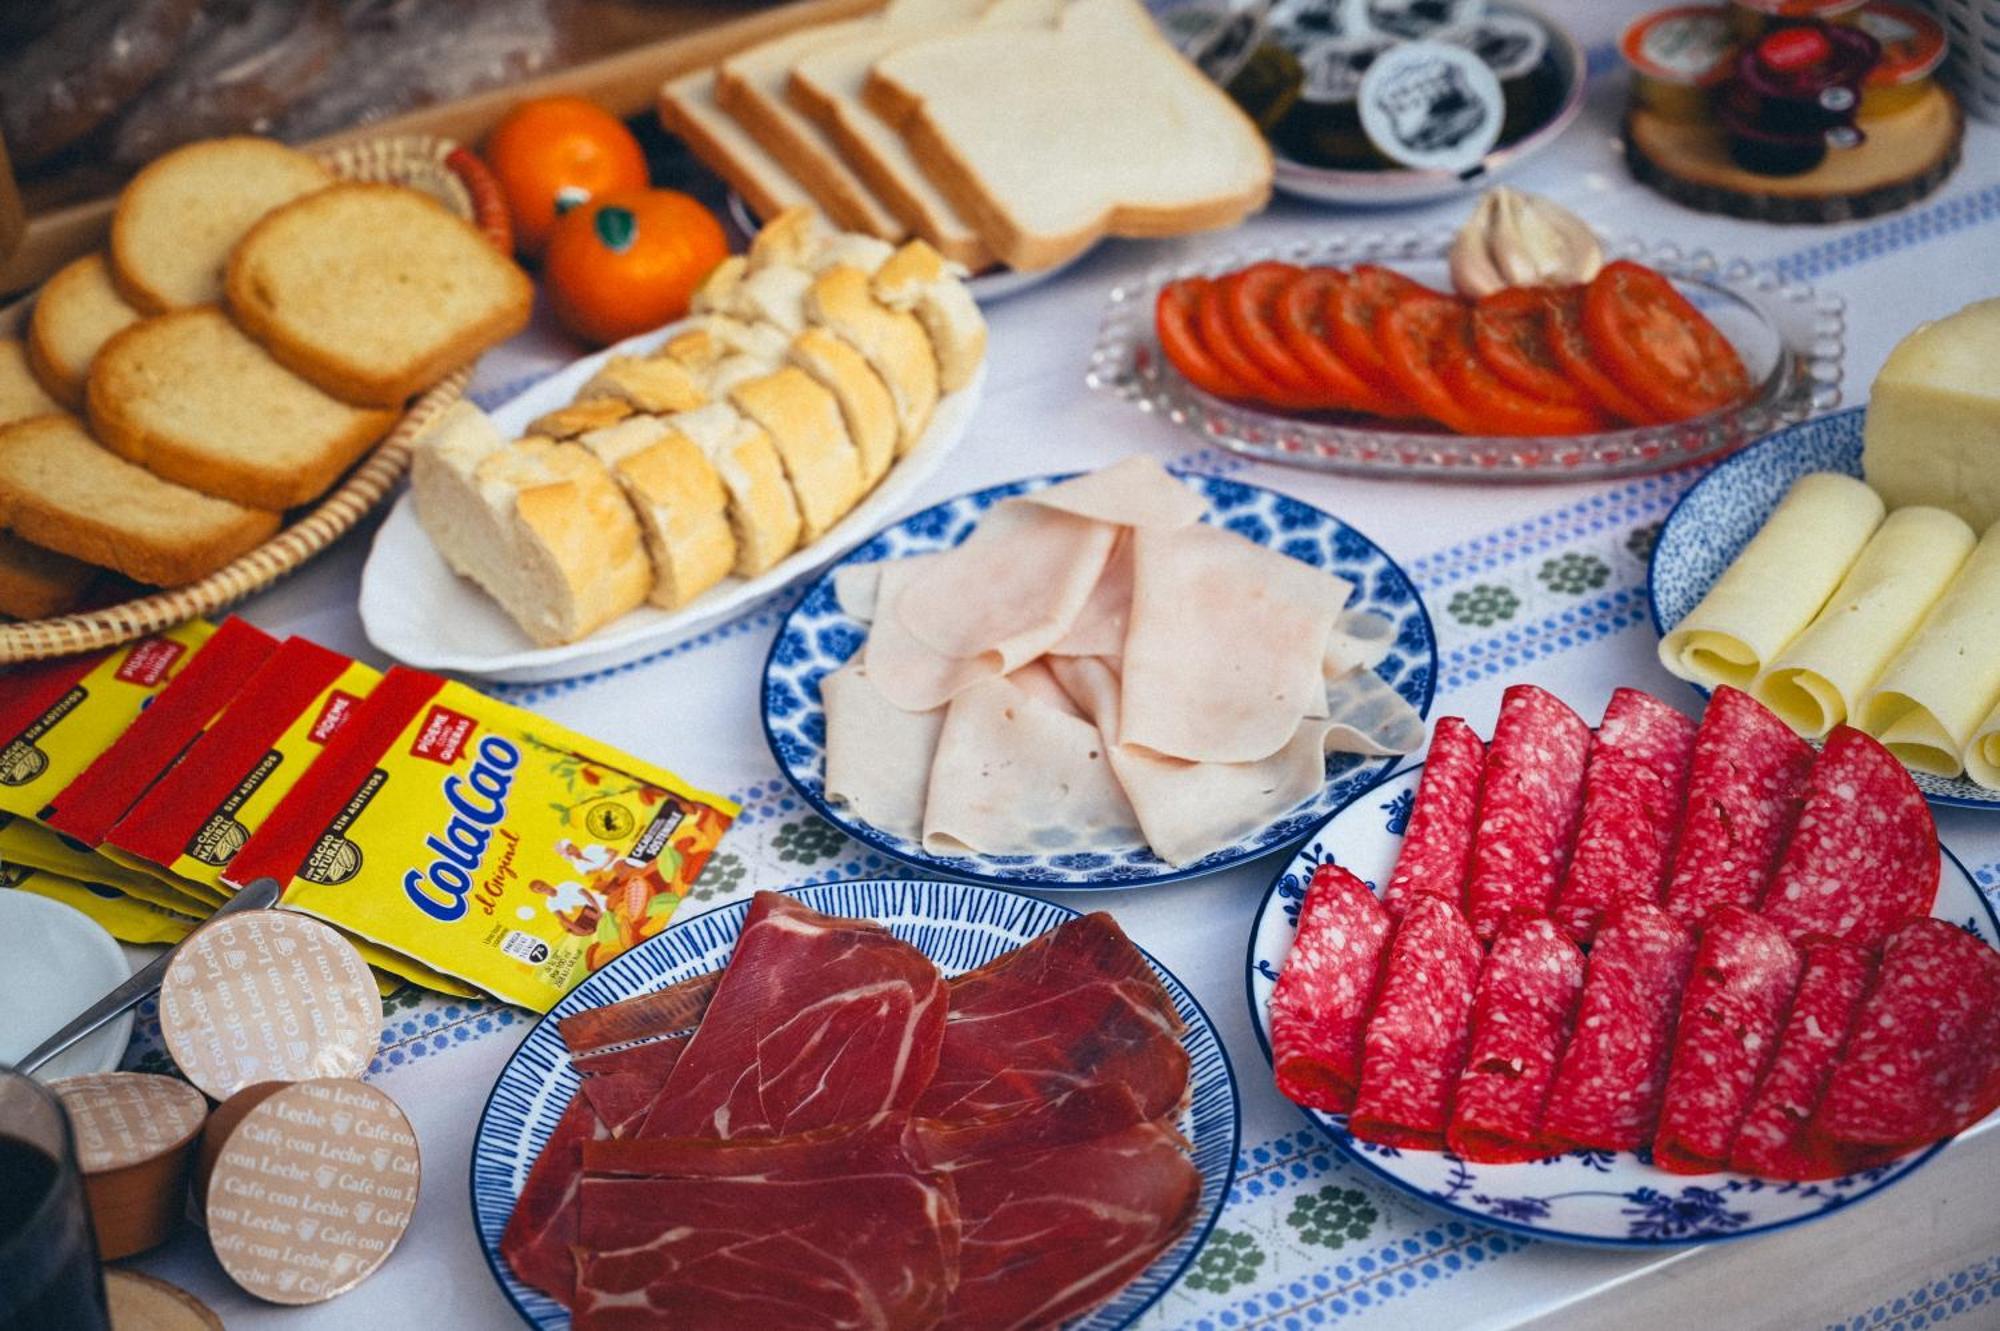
[
  {"x": 959, "y": 926},
  {"x": 818, "y": 637}
]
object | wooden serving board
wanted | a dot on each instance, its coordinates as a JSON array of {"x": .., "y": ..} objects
[{"x": 1905, "y": 157}]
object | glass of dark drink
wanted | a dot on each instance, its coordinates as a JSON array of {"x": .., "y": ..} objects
[{"x": 49, "y": 1277}]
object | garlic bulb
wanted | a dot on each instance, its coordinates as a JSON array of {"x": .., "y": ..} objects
[{"x": 1514, "y": 239}]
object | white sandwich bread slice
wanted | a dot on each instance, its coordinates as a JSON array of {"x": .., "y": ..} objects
[
  {"x": 750, "y": 86},
  {"x": 540, "y": 525},
  {"x": 893, "y": 343},
  {"x": 1049, "y": 139},
  {"x": 763, "y": 514},
  {"x": 688, "y": 108},
  {"x": 918, "y": 280},
  {"x": 681, "y": 505}
]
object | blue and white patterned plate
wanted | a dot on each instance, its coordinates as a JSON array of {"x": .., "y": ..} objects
[
  {"x": 1609, "y": 1198},
  {"x": 1714, "y": 521},
  {"x": 958, "y": 926},
  {"x": 818, "y": 637}
]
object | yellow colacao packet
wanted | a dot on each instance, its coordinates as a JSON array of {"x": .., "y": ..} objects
[
  {"x": 126, "y": 919},
  {"x": 27, "y": 844},
  {"x": 485, "y": 841}
]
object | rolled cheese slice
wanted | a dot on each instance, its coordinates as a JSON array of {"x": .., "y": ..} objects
[
  {"x": 1775, "y": 587},
  {"x": 1982, "y": 755},
  {"x": 1817, "y": 680},
  {"x": 1934, "y": 694}
]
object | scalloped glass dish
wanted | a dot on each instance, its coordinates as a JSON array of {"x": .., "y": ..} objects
[{"x": 1791, "y": 340}]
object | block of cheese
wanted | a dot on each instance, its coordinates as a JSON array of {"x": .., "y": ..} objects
[
  {"x": 1942, "y": 686},
  {"x": 1933, "y": 428},
  {"x": 1817, "y": 680},
  {"x": 1777, "y": 584}
]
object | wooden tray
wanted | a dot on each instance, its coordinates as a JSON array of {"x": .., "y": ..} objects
[
  {"x": 1905, "y": 157},
  {"x": 437, "y": 166}
]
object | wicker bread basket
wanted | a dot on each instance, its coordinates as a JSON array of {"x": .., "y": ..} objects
[{"x": 440, "y": 168}]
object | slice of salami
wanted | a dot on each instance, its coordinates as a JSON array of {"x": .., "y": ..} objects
[
  {"x": 1633, "y": 791},
  {"x": 1834, "y": 978},
  {"x": 1529, "y": 801},
  {"x": 1923, "y": 1059},
  {"x": 1744, "y": 791},
  {"x": 1745, "y": 973},
  {"x": 1319, "y": 1011},
  {"x": 1864, "y": 856},
  {"x": 1609, "y": 1084},
  {"x": 1437, "y": 844},
  {"x": 1521, "y": 1020},
  {"x": 1418, "y": 1034}
]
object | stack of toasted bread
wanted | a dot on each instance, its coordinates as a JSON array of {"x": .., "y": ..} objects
[
  {"x": 1010, "y": 131},
  {"x": 254, "y": 326},
  {"x": 809, "y": 366}
]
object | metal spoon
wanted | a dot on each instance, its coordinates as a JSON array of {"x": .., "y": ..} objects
[{"x": 261, "y": 893}]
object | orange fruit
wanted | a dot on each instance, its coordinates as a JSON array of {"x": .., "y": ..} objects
[
  {"x": 551, "y": 154},
  {"x": 629, "y": 261}
]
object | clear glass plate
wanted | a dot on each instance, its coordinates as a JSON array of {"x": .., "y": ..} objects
[{"x": 1791, "y": 340}]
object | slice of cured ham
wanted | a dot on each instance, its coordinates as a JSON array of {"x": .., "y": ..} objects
[
  {"x": 1061, "y": 1205},
  {"x": 1437, "y": 843},
  {"x": 1530, "y": 799},
  {"x": 1077, "y": 1007},
  {"x": 1864, "y": 856},
  {"x": 1225, "y": 650},
  {"x": 542, "y": 1231},
  {"x": 818, "y": 1020},
  {"x": 837, "y": 1228},
  {"x": 1320, "y": 1007}
]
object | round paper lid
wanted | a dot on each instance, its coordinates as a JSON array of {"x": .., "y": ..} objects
[
  {"x": 122, "y": 1119},
  {"x": 1408, "y": 19},
  {"x": 1431, "y": 106},
  {"x": 1913, "y": 43},
  {"x": 268, "y": 995},
  {"x": 1688, "y": 44},
  {"x": 142, "y": 1303},
  {"x": 313, "y": 1190}
]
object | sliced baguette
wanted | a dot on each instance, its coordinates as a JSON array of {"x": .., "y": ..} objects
[
  {"x": 712, "y": 338},
  {"x": 1049, "y": 139},
  {"x": 21, "y": 393},
  {"x": 580, "y": 418},
  {"x": 654, "y": 384},
  {"x": 77, "y": 312},
  {"x": 688, "y": 108},
  {"x": 800, "y": 239},
  {"x": 681, "y": 505},
  {"x": 374, "y": 292},
  {"x": 919, "y": 281},
  {"x": 750, "y": 86},
  {"x": 60, "y": 490},
  {"x": 178, "y": 219},
  {"x": 540, "y": 525},
  {"x": 712, "y": 296},
  {"x": 188, "y": 396},
  {"x": 865, "y": 405},
  {"x": 763, "y": 514},
  {"x": 36, "y": 583},
  {"x": 893, "y": 342},
  {"x": 803, "y": 421}
]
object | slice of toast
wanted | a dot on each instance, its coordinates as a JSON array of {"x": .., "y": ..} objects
[
  {"x": 687, "y": 108},
  {"x": 1049, "y": 139},
  {"x": 36, "y": 583},
  {"x": 763, "y": 514},
  {"x": 76, "y": 313},
  {"x": 826, "y": 85},
  {"x": 540, "y": 525},
  {"x": 682, "y": 507},
  {"x": 893, "y": 343},
  {"x": 918, "y": 280},
  {"x": 374, "y": 292},
  {"x": 865, "y": 405},
  {"x": 803, "y": 421},
  {"x": 60, "y": 490},
  {"x": 178, "y": 219},
  {"x": 21, "y": 393},
  {"x": 188, "y": 396},
  {"x": 750, "y": 86}
]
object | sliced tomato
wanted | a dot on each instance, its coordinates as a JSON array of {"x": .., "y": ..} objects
[
  {"x": 1511, "y": 334},
  {"x": 1303, "y": 323},
  {"x": 1421, "y": 336},
  {"x": 1173, "y": 317},
  {"x": 1501, "y": 408},
  {"x": 1657, "y": 345},
  {"x": 1211, "y": 320},
  {"x": 1352, "y": 311},
  {"x": 1571, "y": 349},
  {"x": 1250, "y": 304}
]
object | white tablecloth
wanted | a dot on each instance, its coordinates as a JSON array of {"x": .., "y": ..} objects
[{"x": 1542, "y": 583}]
